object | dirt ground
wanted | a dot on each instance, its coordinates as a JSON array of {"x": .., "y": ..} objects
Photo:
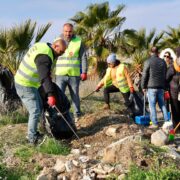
[{"x": 92, "y": 133}]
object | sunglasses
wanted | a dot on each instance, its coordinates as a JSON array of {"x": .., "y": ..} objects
[{"x": 166, "y": 56}]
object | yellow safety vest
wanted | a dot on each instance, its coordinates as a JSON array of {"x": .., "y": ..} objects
[
  {"x": 69, "y": 63},
  {"x": 121, "y": 80},
  {"x": 27, "y": 73}
]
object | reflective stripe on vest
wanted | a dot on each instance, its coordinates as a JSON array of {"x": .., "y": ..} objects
[
  {"x": 27, "y": 73},
  {"x": 69, "y": 63},
  {"x": 121, "y": 79}
]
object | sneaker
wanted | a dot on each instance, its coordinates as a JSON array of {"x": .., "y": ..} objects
[
  {"x": 39, "y": 139},
  {"x": 153, "y": 126}
]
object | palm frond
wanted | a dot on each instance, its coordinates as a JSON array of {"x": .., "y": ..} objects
[{"x": 42, "y": 31}]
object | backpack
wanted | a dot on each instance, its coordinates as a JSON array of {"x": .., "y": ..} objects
[{"x": 52, "y": 121}]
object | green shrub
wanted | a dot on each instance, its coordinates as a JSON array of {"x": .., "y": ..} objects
[
  {"x": 24, "y": 153},
  {"x": 14, "y": 174},
  {"x": 52, "y": 146},
  {"x": 167, "y": 173},
  {"x": 13, "y": 118}
]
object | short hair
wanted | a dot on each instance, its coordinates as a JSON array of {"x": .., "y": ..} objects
[
  {"x": 60, "y": 41},
  {"x": 68, "y": 24},
  {"x": 154, "y": 50}
]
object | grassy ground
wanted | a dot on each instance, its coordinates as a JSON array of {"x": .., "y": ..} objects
[{"x": 18, "y": 160}]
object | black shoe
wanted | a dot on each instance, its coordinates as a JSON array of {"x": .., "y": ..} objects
[{"x": 39, "y": 139}]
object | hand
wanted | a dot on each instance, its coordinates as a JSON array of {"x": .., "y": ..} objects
[
  {"x": 51, "y": 101},
  {"x": 98, "y": 88},
  {"x": 83, "y": 76},
  {"x": 131, "y": 89},
  {"x": 166, "y": 95}
]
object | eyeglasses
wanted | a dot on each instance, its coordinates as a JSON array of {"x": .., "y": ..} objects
[{"x": 166, "y": 56}]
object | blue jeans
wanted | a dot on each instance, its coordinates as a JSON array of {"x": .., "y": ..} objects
[
  {"x": 32, "y": 101},
  {"x": 73, "y": 84},
  {"x": 156, "y": 95}
]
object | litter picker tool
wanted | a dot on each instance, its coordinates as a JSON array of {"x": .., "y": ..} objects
[
  {"x": 88, "y": 95},
  {"x": 172, "y": 132},
  {"x": 66, "y": 122}
]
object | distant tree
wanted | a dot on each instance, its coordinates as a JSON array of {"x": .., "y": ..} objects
[
  {"x": 15, "y": 42},
  {"x": 171, "y": 38},
  {"x": 98, "y": 27}
]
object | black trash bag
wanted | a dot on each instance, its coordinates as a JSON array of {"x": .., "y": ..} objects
[
  {"x": 52, "y": 121},
  {"x": 9, "y": 99},
  {"x": 137, "y": 104}
]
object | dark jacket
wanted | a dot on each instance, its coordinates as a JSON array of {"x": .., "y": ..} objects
[
  {"x": 43, "y": 63},
  {"x": 154, "y": 73},
  {"x": 173, "y": 79}
]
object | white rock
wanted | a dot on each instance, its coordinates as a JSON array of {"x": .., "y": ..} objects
[
  {"x": 69, "y": 166},
  {"x": 172, "y": 153},
  {"x": 75, "y": 163},
  {"x": 87, "y": 145},
  {"x": 111, "y": 152},
  {"x": 86, "y": 177},
  {"x": 75, "y": 151},
  {"x": 59, "y": 166},
  {"x": 111, "y": 131},
  {"x": 108, "y": 168},
  {"x": 159, "y": 138},
  {"x": 84, "y": 159}
]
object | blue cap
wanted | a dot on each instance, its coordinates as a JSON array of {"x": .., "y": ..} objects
[{"x": 111, "y": 58}]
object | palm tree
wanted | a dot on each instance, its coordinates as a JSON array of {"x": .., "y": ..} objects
[
  {"x": 172, "y": 38},
  {"x": 98, "y": 27},
  {"x": 15, "y": 42},
  {"x": 136, "y": 45}
]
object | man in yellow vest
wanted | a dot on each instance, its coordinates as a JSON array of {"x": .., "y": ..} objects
[
  {"x": 35, "y": 70},
  {"x": 71, "y": 67},
  {"x": 116, "y": 79}
]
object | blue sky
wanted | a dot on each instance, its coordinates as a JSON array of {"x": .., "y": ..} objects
[{"x": 139, "y": 13}]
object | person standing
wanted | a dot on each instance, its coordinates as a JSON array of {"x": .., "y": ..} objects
[
  {"x": 154, "y": 80},
  {"x": 35, "y": 70},
  {"x": 173, "y": 79},
  {"x": 71, "y": 67},
  {"x": 116, "y": 79}
]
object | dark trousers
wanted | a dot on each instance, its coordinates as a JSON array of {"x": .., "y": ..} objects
[
  {"x": 175, "y": 108},
  {"x": 113, "y": 89}
]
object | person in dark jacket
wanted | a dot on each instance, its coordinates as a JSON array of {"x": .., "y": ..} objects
[
  {"x": 35, "y": 70},
  {"x": 153, "y": 81},
  {"x": 173, "y": 79}
]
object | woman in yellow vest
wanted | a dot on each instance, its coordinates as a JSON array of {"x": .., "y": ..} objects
[{"x": 116, "y": 79}]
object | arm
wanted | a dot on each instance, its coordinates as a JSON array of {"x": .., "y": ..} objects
[
  {"x": 44, "y": 63},
  {"x": 83, "y": 59},
  {"x": 145, "y": 75},
  {"x": 127, "y": 75},
  {"x": 169, "y": 74}
]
